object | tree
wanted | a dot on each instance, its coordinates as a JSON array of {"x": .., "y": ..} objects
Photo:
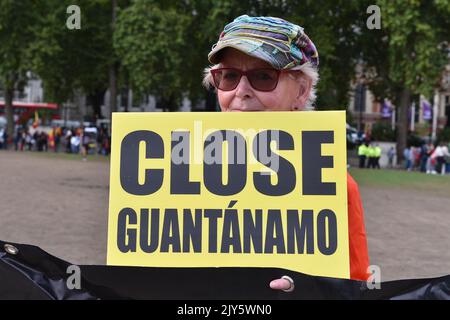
[
  {"x": 149, "y": 41},
  {"x": 113, "y": 67},
  {"x": 408, "y": 54},
  {"x": 70, "y": 60},
  {"x": 17, "y": 20},
  {"x": 334, "y": 27}
]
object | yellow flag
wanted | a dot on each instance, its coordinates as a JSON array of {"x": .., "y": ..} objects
[{"x": 36, "y": 119}]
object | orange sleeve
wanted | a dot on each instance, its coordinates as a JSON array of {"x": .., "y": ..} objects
[{"x": 359, "y": 256}]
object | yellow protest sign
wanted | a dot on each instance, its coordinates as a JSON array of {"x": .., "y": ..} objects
[{"x": 252, "y": 189}]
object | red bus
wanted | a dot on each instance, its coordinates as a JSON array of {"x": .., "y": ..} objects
[{"x": 23, "y": 111}]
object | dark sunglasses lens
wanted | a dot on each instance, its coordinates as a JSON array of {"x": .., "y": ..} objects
[
  {"x": 227, "y": 80},
  {"x": 263, "y": 79}
]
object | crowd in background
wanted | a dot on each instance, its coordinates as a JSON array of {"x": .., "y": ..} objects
[
  {"x": 85, "y": 141},
  {"x": 428, "y": 157}
]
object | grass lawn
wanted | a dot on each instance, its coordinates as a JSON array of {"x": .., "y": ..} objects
[{"x": 416, "y": 181}]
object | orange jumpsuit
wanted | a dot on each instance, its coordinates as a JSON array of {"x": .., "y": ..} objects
[{"x": 359, "y": 256}]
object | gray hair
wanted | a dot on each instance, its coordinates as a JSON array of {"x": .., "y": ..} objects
[{"x": 306, "y": 69}]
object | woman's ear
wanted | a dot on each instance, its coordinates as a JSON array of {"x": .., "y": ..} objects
[{"x": 304, "y": 90}]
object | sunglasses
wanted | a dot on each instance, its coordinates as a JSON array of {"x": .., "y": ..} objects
[{"x": 265, "y": 79}]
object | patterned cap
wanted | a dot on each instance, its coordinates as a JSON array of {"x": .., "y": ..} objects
[{"x": 282, "y": 44}]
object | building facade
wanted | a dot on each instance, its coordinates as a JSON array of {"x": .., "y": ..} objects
[{"x": 366, "y": 111}]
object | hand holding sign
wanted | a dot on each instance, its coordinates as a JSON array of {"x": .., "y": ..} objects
[{"x": 285, "y": 283}]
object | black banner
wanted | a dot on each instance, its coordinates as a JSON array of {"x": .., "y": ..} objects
[{"x": 28, "y": 272}]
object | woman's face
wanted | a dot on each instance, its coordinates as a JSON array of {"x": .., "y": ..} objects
[{"x": 289, "y": 95}]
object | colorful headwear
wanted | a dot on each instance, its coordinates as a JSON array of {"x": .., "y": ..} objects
[{"x": 282, "y": 44}]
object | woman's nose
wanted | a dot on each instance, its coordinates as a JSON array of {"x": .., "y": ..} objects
[{"x": 244, "y": 89}]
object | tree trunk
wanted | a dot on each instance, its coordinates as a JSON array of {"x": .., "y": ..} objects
[
  {"x": 404, "y": 102},
  {"x": 113, "y": 88},
  {"x": 173, "y": 104},
  {"x": 113, "y": 68},
  {"x": 97, "y": 98},
  {"x": 9, "y": 95}
]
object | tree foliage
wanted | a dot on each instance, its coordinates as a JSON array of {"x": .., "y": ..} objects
[
  {"x": 162, "y": 46},
  {"x": 408, "y": 54},
  {"x": 68, "y": 60},
  {"x": 17, "y": 20},
  {"x": 149, "y": 42}
]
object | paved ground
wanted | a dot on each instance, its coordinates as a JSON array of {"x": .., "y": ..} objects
[
  {"x": 61, "y": 205},
  {"x": 408, "y": 232}
]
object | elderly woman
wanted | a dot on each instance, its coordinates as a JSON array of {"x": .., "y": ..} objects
[{"x": 269, "y": 64}]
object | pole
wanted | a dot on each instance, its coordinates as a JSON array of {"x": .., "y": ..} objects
[
  {"x": 393, "y": 118},
  {"x": 360, "y": 107},
  {"x": 113, "y": 70},
  {"x": 435, "y": 114},
  {"x": 360, "y": 101}
]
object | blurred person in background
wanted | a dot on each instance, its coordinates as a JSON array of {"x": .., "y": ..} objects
[
  {"x": 391, "y": 155},
  {"x": 377, "y": 156},
  {"x": 362, "y": 154},
  {"x": 440, "y": 154},
  {"x": 371, "y": 155},
  {"x": 407, "y": 154}
]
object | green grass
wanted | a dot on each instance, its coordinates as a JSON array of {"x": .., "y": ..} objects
[{"x": 402, "y": 179}]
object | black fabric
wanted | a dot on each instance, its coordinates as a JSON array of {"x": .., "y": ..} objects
[
  {"x": 35, "y": 274},
  {"x": 47, "y": 273},
  {"x": 13, "y": 285}
]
